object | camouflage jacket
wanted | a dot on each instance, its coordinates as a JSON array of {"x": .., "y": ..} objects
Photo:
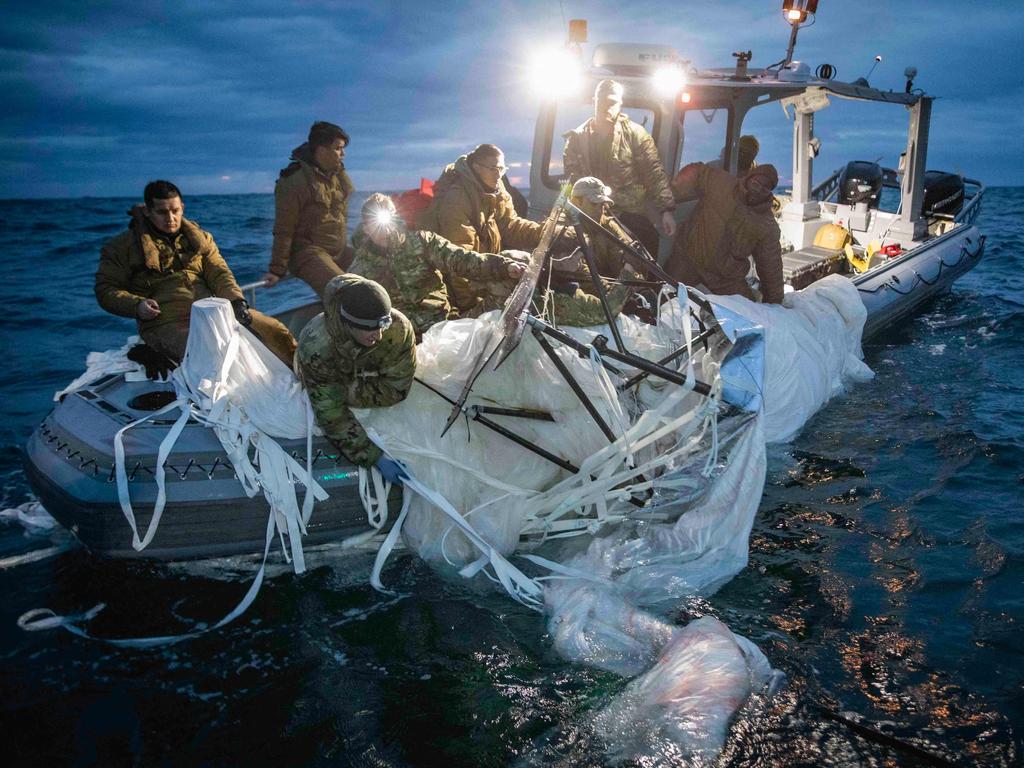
[
  {"x": 311, "y": 209},
  {"x": 411, "y": 271},
  {"x": 629, "y": 164},
  {"x": 475, "y": 218},
  {"x": 141, "y": 263},
  {"x": 340, "y": 374},
  {"x": 723, "y": 233}
]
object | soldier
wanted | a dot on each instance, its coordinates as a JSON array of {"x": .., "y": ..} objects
[
  {"x": 747, "y": 148},
  {"x": 409, "y": 264},
  {"x": 733, "y": 221},
  {"x": 159, "y": 266},
  {"x": 580, "y": 306},
  {"x": 311, "y": 200},
  {"x": 358, "y": 353},
  {"x": 473, "y": 209},
  {"x": 613, "y": 148}
]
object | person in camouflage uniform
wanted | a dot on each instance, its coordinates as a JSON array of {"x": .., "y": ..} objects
[
  {"x": 580, "y": 306},
  {"x": 472, "y": 209},
  {"x": 160, "y": 265},
  {"x": 409, "y": 264},
  {"x": 311, "y": 211},
  {"x": 613, "y": 148},
  {"x": 358, "y": 353}
]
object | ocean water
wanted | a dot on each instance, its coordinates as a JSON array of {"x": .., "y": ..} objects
[{"x": 886, "y": 574}]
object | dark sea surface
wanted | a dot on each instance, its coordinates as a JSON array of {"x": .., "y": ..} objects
[{"x": 886, "y": 576}]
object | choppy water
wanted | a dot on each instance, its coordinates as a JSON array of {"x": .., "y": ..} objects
[{"x": 886, "y": 575}]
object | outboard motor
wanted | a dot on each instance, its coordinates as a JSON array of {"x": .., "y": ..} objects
[
  {"x": 943, "y": 193},
  {"x": 860, "y": 182}
]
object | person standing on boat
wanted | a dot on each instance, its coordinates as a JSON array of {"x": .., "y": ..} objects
[
  {"x": 748, "y": 147},
  {"x": 409, "y": 264},
  {"x": 733, "y": 222},
  {"x": 311, "y": 211},
  {"x": 359, "y": 352},
  {"x": 159, "y": 266},
  {"x": 473, "y": 209},
  {"x": 621, "y": 153}
]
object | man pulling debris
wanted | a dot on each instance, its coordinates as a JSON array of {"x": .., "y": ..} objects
[
  {"x": 733, "y": 221},
  {"x": 358, "y": 353},
  {"x": 157, "y": 268},
  {"x": 410, "y": 264}
]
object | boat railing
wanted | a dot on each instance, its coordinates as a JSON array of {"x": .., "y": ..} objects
[
  {"x": 249, "y": 289},
  {"x": 827, "y": 188},
  {"x": 972, "y": 207}
]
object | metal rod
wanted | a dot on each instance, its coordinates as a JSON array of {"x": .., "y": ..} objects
[
  {"x": 506, "y": 433},
  {"x": 595, "y": 276},
  {"x": 638, "y": 377},
  {"x": 573, "y": 384}
]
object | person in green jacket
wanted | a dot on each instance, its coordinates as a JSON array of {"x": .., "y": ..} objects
[
  {"x": 410, "y": 264},
  {"x": 359, "y": 352},
  {"x": 311, "y": 211},
  {"x": 621, "y": 153},
  {"x": 160, "y": 265}
]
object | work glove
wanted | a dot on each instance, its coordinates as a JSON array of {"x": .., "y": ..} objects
[
  {"x": 392, "y": 470},
  {"x": 242, "y": 313},
  {"x": 158, "y": 365}
]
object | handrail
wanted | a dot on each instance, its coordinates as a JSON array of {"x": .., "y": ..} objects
[
  {"x": 824, "y": 191},
  {"x": 251, "y": 289},
  {"x": 971, "y": 210}
]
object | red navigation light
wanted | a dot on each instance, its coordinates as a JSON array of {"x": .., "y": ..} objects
[{"x": 684, "y": 97}]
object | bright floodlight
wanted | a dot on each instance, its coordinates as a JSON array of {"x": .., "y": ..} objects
[
  {"x": 668, "y": 81},
  {"x": 556, "y": 73}
]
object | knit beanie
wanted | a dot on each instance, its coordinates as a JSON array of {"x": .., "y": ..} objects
[{"x": 365, "y": 304}]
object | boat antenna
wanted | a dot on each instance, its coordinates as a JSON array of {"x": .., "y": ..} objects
[
  {"x": 796, "y": 12},
  {"x": 870, "y": 71}
]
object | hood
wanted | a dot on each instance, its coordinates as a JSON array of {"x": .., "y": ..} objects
[{"x": 304, "y": 154}]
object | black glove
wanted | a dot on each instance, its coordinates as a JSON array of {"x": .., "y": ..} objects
[
  {"x": 158, "y": 365},
  {"x": 242, "y": 313}
]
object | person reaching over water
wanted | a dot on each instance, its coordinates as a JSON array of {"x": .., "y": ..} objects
[
  {"x": 621, "y": 153},
  {"x": 359, "y": 352},
  {"x": 410, "y": 264},
  {"x": 473, "y": 209},
  {"x": 157, "y": 268},
  {"x": 732, "y": 222},
  {"x": 311, "y": 211}
]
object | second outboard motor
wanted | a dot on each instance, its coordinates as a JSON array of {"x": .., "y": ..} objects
[
  {"x": 943, "y": 193},
  {"x": 860, "y": 182}
]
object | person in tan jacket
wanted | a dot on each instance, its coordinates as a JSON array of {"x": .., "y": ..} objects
[
  {"x": 732, "y": 222},
  {"x": 157, "y": 268},
  {"x": 311, "y": 211},
  {"x": 622, "y": 154},
  {"x": 472, "y": 209}
]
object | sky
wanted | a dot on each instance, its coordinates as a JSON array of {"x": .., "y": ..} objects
[{"x": 98, "y": 98}]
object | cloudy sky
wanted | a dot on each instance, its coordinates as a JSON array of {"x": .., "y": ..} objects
[{"x": 98, "y": 98}]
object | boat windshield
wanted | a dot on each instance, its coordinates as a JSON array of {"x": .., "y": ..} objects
[{"x": 704, "y": 135}]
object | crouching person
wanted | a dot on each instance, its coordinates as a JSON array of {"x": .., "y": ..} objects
[
  {"x": 358, "y": 353},
  {"x": 157, "y": 268}
]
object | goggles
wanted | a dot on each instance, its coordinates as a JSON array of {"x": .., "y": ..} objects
[{"x": 366, "y": 324}]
